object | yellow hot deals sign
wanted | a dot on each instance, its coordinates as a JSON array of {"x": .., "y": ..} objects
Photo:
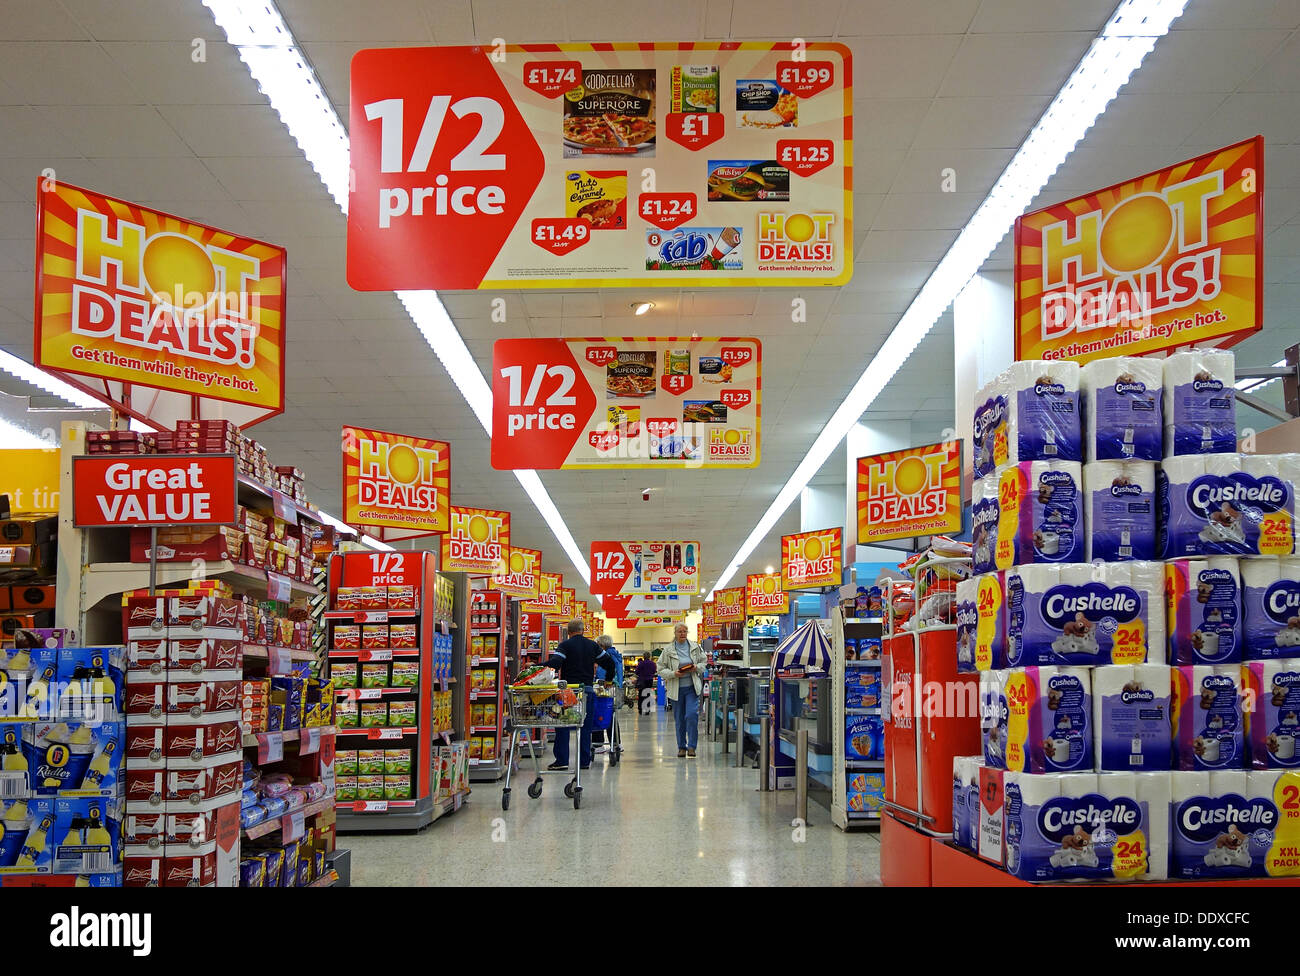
[
  {"x": 477, "y": 540},
  {"x": 909, "y": 493},
  {"x": 133, "y": 295},
  {"x": 517, "y": 574},
  {"x": 396, "y": 481},
  {"x": 1167, "y": 259},
  {"x": 548, "y": 595},
  {"x": 567, "y": 602},
  {"x": 729, "y": 605},
  {"x": 812, "y": 559},
  {"x": 763, "y": 594}
]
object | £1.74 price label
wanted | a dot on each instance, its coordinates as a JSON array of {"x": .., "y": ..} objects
[
  {"x": 540, "y": 403},
  {"x": 552, "y": 79}
]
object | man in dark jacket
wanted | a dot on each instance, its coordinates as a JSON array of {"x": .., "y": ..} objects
[{"x": 576, "y": 659}]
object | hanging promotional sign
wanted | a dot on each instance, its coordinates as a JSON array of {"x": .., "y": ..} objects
[
  {"x": 626, "y": 403},
  {"x": 645, "y": 568},
  {"x": 729, "y": 605},
  {"x": 631, "y": 623},
  {"x": 629, "y": 605},
  {"x": 129, "y": 295},
  {"x": 526, "y": 166},
  {"x": 476, "y": 542},
  {"x": 547, "y": 601},
  {"x": 396, "y": 481},
  {"x": 568, "y": 602},
  {"x": 763, "y": 594},
  {"x": 812, "y": 559},
  {"x": 915, "y": 492},
  {"x": 1168, "y": 259},
  {"x": 154, "y": 489},
  {"x": 517, "y": 574}
]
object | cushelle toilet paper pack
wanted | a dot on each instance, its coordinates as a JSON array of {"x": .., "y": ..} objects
[
  {"x": 965, "y": 801},
  {"x": 1060, "y": 826},
  {"x": 1203, "y": 599},
  {"x": 1270, "y": 607},
  {"x": 1272, "y": 712},
  {"x": 1228, "y": 505},
  {"x": 984, "y": 515},
  {"x": 1040, "y": 515},
  {"x": 981, "y": 623},
  {"x": 1119, "y": 508},
  {"x": 1131, "y": 715},
  {"x": 1208, "y": 724},
  {"x": 1030, "y": 412},
  {"x": 1122, "y": 409},
  {"x": 1199, "y": 401},
  {"x": 1086, "y": 614},
  {"x": 1234, "y": 824},
  {"x": 1048, "y": 715}
]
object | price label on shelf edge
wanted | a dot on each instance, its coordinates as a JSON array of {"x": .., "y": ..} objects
[
  {"x": 270, "y": 747},
  {"x": 292, "y": 825},
  {"x": 309, "y": 741}
]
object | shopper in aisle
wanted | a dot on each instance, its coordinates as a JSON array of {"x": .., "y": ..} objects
[
  {"x": 681, "y": 665},
  {"x": 605, "y": 641},
  {"x": 576, "y": 660}
]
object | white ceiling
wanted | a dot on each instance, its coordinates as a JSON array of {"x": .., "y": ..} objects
[{"x": 106, "y": 93}]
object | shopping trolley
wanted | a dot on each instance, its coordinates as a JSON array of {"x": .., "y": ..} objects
[
  {"x": 605, "y": 705},
  {"x": 545, "y": 706}
]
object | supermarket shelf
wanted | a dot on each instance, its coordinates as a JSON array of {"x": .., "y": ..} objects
[
  {"x": 862, "y": 664},
  {"x": 864, "y": 620},
  {"x": 257, "y": 488},
  {"x": 862, "y": 711},
  {"x": 327, "y": 880},
  {"x": 370, "y": 616},
  {"x": 863, "y": 814},
  {"x": 481, "y": 729},
  {"x": 369, "y": 694},
  {"x": 288, "y": 735},
  {"x": 399, "y": 815},
  {"x": 263, "y": 652},
  {"x": 864, "y": 764},
  {"x": 377, "y": 732},
  {"x": 365, "y": 652},
  {"x": 271, "y": 825},
  {"x": 478, "y": 661},
  {"x": 103, "y": 580}
]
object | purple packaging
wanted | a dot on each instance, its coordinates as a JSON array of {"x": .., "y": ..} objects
[
  {"x": 252, "y": 873},
  {"x": 1042, "y": 521},
  {"x": 967, "y": 620},
  {"x": 1227, "y": 505},
  {"x": 1131, "y": 706},
  {"x": 984, "y": 515},
  {"x": 1120, "y": 506},
  {"x": 990, "y": 415},
  {"x": 274, "y": 858},
  {"x": 1222, "y": 824},
  {"x": 1122, "y": 409},
  {"x": 1273, "y": 723},
  {"x": 1270, "y": 599},
  {"x": 1199, "y": 402},
  {"x": 1043, "y": 404},
  {"x": 289, "y": 873},
  {"x": 1203, "y": 600},
  {"x": 1209, "y": 728}
]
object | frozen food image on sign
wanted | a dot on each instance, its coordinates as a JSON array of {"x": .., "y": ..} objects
[
  {"x": 611, "y": 113},
  {"x": 694, "y": 88},
  {"x": 675, "y": 447},
  {"x": 748, "y": 180},
  {"x": 763, "y": 104},
  {"x": 677, "y": 362},
  {"x": 715, "y": 370},
  {"x": 704, "y": 412},
  {"x": 625, "y": 419},
  {"x": 694, "y": 249},
  {"x": 632, "y": 374},
  {"x": 598, "y": 197}
]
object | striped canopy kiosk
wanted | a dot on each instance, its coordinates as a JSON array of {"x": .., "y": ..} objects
[{"x": 807, "y": 649}]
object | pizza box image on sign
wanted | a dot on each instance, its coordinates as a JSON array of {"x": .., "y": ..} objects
[
  {"x": 611, "y": 113},
  {"x": 747, "y": 180}
]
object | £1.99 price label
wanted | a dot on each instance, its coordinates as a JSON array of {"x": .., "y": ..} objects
[{"x": 804, "y": 79}]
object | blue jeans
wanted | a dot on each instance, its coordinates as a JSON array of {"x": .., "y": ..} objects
[
  {"x": 686, "y": 714},
  {"x": 584, "y": 737}
]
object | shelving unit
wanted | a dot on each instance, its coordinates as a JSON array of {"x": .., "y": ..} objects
[
  {"x": 842, "y": 672},
  {"x": 486, "y": 678}
]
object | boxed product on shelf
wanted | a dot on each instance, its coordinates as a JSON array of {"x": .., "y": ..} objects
[
  {"x": 401, "y": 598},
  {"x": 862, "y": 688},
  {"x": 374, "y": 636},
  {"x": 347, "y": 637},
  {"x": 864, "y": 737},
  {"x": 370, "y": 787},
  {"x": 402, "y": 636},
  {"x": 67, "y": 758},
  {"x": 179, "y": 544},
  {"x": 347, "y": 714},
  {"x": 400, "y": 713},
  {"x": 370, "y": 762},
  {"x": 397, "y": 787},
  {"x": 374, "y": 674},
  {"x": 361, "y": 598},
  {"x": 397, "y": 761},
  {"x": 212, "y": 658},
  {"x": 866, "y": 791},
  {"x": 373, "y": 714},
  {"x": 405, "y": 674},
  {"x": 345, "y": 789}
]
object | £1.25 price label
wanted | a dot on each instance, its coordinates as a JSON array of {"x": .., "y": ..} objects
[
  {"x": 804, "y": 79},
  {"x": 804, "y": 157},
  {"x": 540, "y": 403},
  {"x": 666, "y": 210},
  {"x": 736, "y": 399}
]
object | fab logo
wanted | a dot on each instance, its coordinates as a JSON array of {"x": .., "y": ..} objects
[
  {"x": 396, "y": 481},
  {"x": 796, "y": 242}
]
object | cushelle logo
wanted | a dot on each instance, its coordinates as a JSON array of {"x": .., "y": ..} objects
[
  {"x": 1243, "y": 492},
  {"x": 1095, "y": 601},
  {"x": 1203, "y": 818},
  {"x": 1058, "y": 818}
]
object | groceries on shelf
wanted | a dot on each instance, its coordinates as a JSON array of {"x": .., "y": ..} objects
[{"x": 1134, "y": 615}]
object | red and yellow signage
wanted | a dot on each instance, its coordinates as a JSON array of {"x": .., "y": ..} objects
[
  {"x": 645, "y": 567},
  {"x": 154, "y": 490},
  {"x": 396, "y": 481},
  {"x": 626, "y": 402},
  {"x": 763, "y": 594},
  {"x": 131, "y": 295},
  {"x": 568, "y": 602},
  {"x": 517, "y": 574},
  {"x": 548, "y": 595},
  {"x": 729, "y": 605},
  {"x": 1167, "y": 259},
  {"x": 522, "y": 166},
  {"x": 812, "y": 559},
  {"x": 902, "y": 494},
  {"x": 476, "y": 542}
]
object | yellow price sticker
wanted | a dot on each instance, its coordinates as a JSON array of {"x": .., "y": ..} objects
[
  {"x": 1276, "y": 537},
  {"x": 1129, "y": 645},
  {"x": 1129, "y": 855}
]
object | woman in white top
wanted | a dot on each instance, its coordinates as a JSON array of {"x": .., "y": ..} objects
[{"x": 681, "y": 666}]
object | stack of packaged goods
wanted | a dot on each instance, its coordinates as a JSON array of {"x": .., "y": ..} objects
[
  {"x": 28, "y": 572},
  {"x": 61, "y": 746},
  {"x": 120, "y": 442},
  {"x": 293, "y": 784},
  {"x": 273, "y": 623},
  {"x": 451, "y": 770},
  {"x": 1139, "y": 716},
  {"x": 297, "y": 864},
  {"x": 200, "y": 437},
  {"x": 254, "y": 462},
  {"x": 373, "y": 774},
  {"x": 284, "y": 702},
  {"x": 183, "y": 749},
  {"x": 258, "y": 539},
  {"x": 292, "y": 482}
]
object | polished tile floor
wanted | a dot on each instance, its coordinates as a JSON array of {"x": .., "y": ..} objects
[{"x": 653, "y": 819}]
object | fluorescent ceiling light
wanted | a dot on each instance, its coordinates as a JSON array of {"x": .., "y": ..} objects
[
  {"x": 28, "y": 373},
  {"x": 1117, "y": 51},
  {"x": 265, "y": 44}
]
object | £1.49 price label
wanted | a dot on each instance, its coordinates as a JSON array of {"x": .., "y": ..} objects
[
  {"x": 560, "y": 235},
  {"x": 540, "y": 403}
]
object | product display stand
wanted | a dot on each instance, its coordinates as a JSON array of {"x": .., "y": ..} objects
[
  {"x": 843, "y": 670},
  {"x": 486, "y": 678}
]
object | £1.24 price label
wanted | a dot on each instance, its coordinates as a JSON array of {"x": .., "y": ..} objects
[{"x": 540, "y": 403}]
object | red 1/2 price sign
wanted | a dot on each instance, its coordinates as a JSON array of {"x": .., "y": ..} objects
[
  {"x": 666, "y": 210},
  {"x": 539, "y": 403},
  {"x": 804, "y": 79},
  {"x": 803, "y": 157}
]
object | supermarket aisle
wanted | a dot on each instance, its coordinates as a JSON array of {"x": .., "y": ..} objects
[{"x": 637, "y": 825}]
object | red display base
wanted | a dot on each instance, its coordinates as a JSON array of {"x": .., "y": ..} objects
[{"x": 904, "y": 854}]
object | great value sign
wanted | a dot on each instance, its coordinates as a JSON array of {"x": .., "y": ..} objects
[
  {"x": 645, "y": 567},
  {"x": 136, "y": 296},
  {"x": 1168, "y": 259},
  {"x": 526, "y": 166},
  {"x": 812, "y": 559},
  {"x": 729, "y": 605},
  {"x": 476, "y": 542},
  {"x": 156, "y": 489},
  {"x": 396, "y": 481},
  {"x": 548, "y": 595},
  {"x": 763, "y": 594},
  {"x": 517, "y": 574},
  {"x": 909, "y": 493},
  {"x": 626, "y": 403}
]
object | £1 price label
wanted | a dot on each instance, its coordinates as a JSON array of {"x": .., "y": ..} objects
[
  {"x": 804, "y": 157},
  {"x": 694, "y": 130},
  {"x": 736, "y": 399},
  {"x": 552, "y": 79},
  {"x": 666, "y": 210},
  {"x": 737, "y": 355},
  {"x": 560, "y": 235},
  {"x": 662, "y": 426},
  {"x": 601, "y": 355},
  {"x": 675, "y": 383},
  {"x": 804, "y": 79}
]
